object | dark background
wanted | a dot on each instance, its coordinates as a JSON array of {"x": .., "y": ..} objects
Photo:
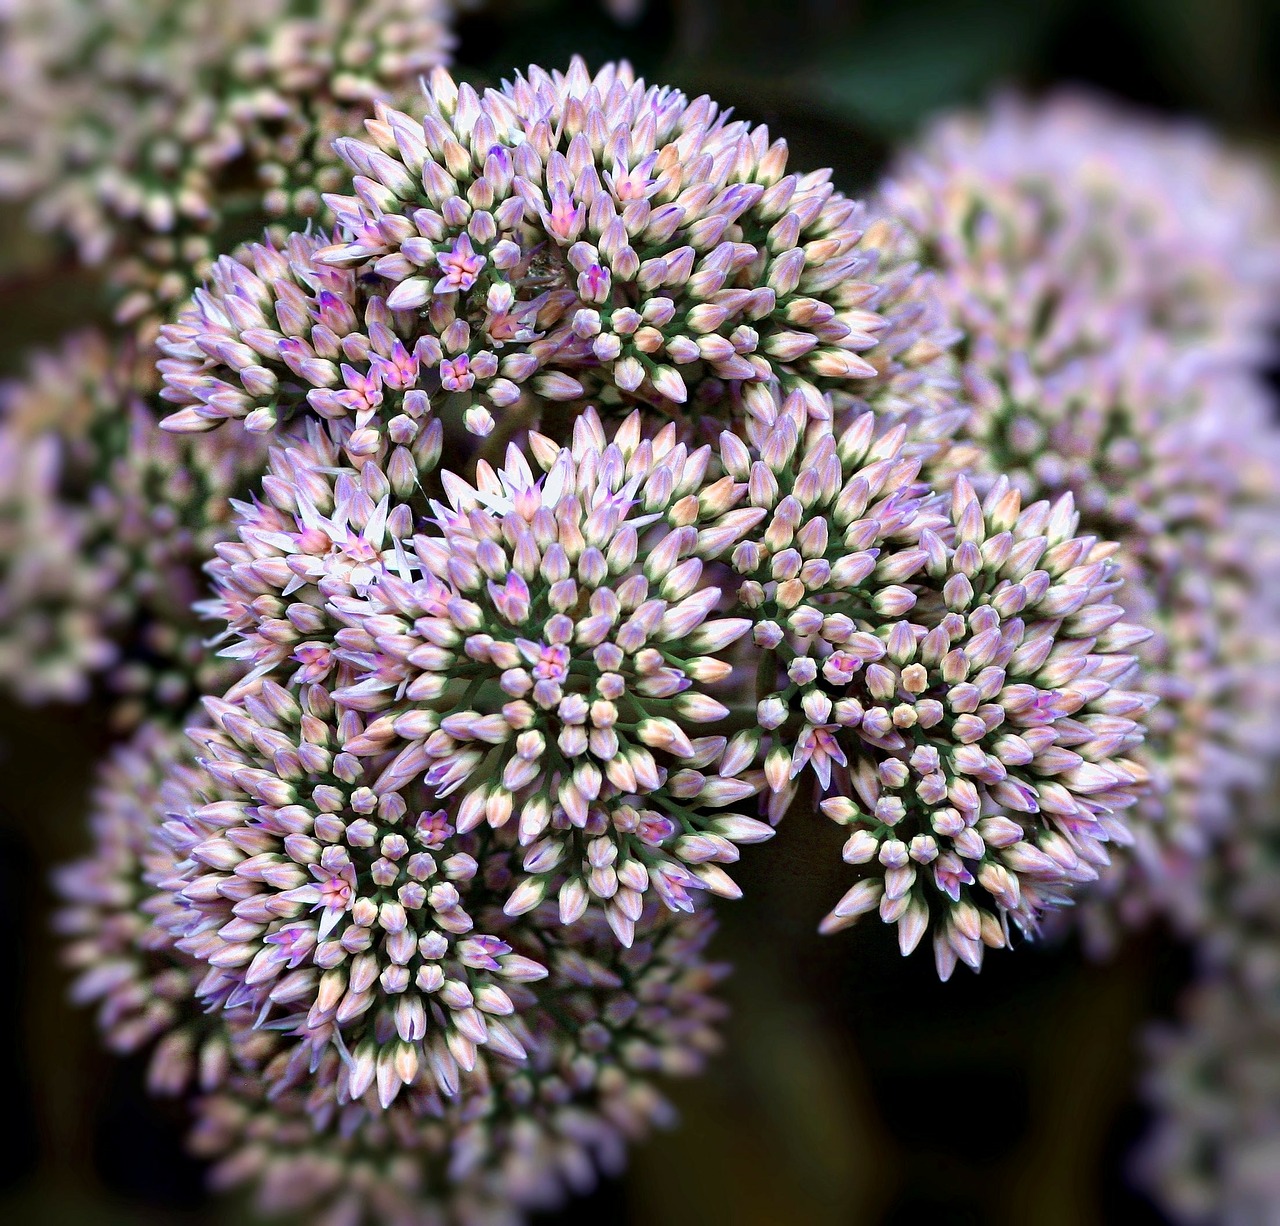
[{"x": 855, "y": 1087}]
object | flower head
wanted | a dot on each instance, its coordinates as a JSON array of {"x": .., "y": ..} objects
[
  {"x": 952, "y": 669},
  {"x": 574, "y": 237},
  {"x": 1211, "y": 1077},
  {"x": 1197, "y": 509},
  {"x": 1057, "y": 227},
  {"x": 540, "y": 654},
  {"x": 552, "y": 662},
  {"x": 303, "y": 882}
]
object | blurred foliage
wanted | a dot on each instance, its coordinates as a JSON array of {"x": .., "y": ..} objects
[
  {"x": 855, "y": 1088},
  {"x": 916, "y": 60},
  {"x": 879, "y": 67}
]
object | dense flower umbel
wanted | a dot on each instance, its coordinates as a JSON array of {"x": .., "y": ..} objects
[
  {"x": 513, "y": 1135},
  {"x": 519, "y": 1137},
  {"x": 138, "y": 128},
  {"x": 567, "y": 236},
  {"x": 1113, "y": 280},
  {"x": 953, "y": 670},
  {"x": 325, "y": 889},
  {"x": 552, "y": 661},
  {"x": 539, "y": 654},
  {"x": 275, "y": 331},
  {"x": 105, "y": 523},
  {"x": 114, "y": 925}
]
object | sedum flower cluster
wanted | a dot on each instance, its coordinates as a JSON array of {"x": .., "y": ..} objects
[
  {"x": 1116, "y": 281},
  {"x": 550, "y": 690},
  {"x": 585, "y": 490},
  {"x": 541, "y": 650},
  {"x": 953, "y": 671},
  {"x": 519, "y": 1136}
]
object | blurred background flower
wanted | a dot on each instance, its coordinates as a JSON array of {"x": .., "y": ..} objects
[{"x": 137, "y": 130}]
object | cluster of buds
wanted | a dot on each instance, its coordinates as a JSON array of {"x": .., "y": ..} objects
[
  {"x": 538, "y": 655},
  {"x": 555, "y": 656},
  {"x": 51, "y": 641},
  {"x": 952, "y": 668},
  {"x": 567, "y": 237},
  {"x": 325, "y": 527},
  {"x": 519, "y": 652},
  {"x": 328, "y": 901},
  {"x": 1196, "y": 508},
  {"x": 1210, "y": 1078},
  {"x": 275, "y": 333},
  {"x": 509, "y": 1135},
  {"x": 1079, "y": 221}
]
